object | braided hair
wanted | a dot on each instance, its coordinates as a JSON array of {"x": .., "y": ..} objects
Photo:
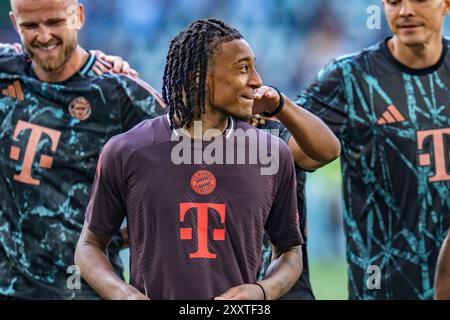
[{"x": 186, "y": 68}]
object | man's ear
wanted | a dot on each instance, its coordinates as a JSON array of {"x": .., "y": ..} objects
[
  {"x": 13, "y": 20},
  {"x": 81, "y": 16},
  {"x": 76, "y": 16},
  {"x": 446, "y": 7}
]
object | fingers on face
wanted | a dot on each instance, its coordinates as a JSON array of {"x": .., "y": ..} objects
[{"x": 266, "y": 91}]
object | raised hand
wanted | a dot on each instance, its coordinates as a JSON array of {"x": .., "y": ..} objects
[
  {"x": 119, "y": 65},
  {"x": 266, "y": 99}
]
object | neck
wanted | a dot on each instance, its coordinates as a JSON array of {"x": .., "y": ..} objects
[
  {"x": 67, "y": 70},
  {"x": 419, "y": 56},
  {"x": 210, "y": 120}
]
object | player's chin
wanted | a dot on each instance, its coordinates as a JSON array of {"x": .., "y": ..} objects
[
  {"x": 411, "y": 40},
  {"x": 50, "y": 65},
  {"x": 47, "y": 63},
  {"x": 244, "y": 113}
]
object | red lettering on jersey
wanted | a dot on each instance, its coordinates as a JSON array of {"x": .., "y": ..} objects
[
  {"x": 441, "y": 155},
  {"x": 45, "y": 161},
  {"x": 202, "y": 227}
]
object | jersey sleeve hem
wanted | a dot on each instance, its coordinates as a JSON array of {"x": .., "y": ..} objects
[
  {"x": 286, "y": 244},
  {"x": 99, "y": 230}
]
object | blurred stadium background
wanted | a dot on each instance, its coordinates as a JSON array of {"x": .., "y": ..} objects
[{"x": 292, "y": 40}]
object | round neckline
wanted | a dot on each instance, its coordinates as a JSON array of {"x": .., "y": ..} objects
[
  {"x": 181, "y": 132},
  {"x": 418, "y": 72}
]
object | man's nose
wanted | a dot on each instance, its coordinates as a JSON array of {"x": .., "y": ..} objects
[
  {"x": 406, "y": 8},
  {"x": 43, "y": 34},
  {"x": 255, "y": 80}
]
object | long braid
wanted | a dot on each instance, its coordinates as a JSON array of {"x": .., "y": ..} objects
[{"x": 185, "y": 72}]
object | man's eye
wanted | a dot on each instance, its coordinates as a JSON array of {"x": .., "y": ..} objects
[
  {"x": 29, "y": 26},
  {"x": 244, "y": 68},
  {"x": 54, "y": 23}
]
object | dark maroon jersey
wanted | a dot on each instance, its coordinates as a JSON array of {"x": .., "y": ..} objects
[{"x": 196, "y": 230}]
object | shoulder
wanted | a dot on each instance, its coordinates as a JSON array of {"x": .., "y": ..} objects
[
  {"x": 100, "y": 70},
  {"x": 276, "y": 128},
  {"x": 12, "y": 59},
  {"x": 447, "y": 41},
  {"x": 359, "y": 56},
  {"x": 136, "y": 88},
  {"x": 10, "y": 49},
  {"x": 140, "y": 136},
  {"x": 256, "y": 135},
  {"x": 354, "y": 60}
]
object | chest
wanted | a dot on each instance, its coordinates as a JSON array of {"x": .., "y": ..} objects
[
  {"x": 402, "y": 101},
  {"x": 45, "y": 127},
  {"x": 401, "y": 119},
  {"x": 159, "y": 189}
]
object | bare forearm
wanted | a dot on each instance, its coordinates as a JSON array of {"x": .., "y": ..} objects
[
  {"x": 312, "y": 135},
  {"x": 282, "y": 273},
  {"x": 98, "y": 272},
  {"x": 442, "y": 281}
]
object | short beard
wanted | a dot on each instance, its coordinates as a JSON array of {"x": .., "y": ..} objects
[{"x": 68, "y": 49}]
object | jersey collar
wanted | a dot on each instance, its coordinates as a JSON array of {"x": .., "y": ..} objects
[
  {"x": 417, "y": 72},
  {"x": 229, "y": 130}
]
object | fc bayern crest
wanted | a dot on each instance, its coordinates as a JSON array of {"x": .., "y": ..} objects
[
  {"x": 203, "y": 182},
  {"x": 80, "y": 109}
]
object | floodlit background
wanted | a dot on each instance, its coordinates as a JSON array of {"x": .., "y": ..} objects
[{"x": 292, "y": 40}]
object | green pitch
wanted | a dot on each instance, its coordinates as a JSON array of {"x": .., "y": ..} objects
[{"x": 329, "y": 279}]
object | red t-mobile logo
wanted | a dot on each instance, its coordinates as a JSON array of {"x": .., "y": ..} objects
[
  {"x": 440, "y": 152},
  {"x": 202, "y": 227},
  {"x": 30, "y": 151}
]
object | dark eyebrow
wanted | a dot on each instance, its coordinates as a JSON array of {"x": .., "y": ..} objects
[
  {"x": 52, "y": 20},
  {"x": 245, "y": 59},
  {"x": 27, "y": 24},
  {"x": 55, "y": 20}
]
